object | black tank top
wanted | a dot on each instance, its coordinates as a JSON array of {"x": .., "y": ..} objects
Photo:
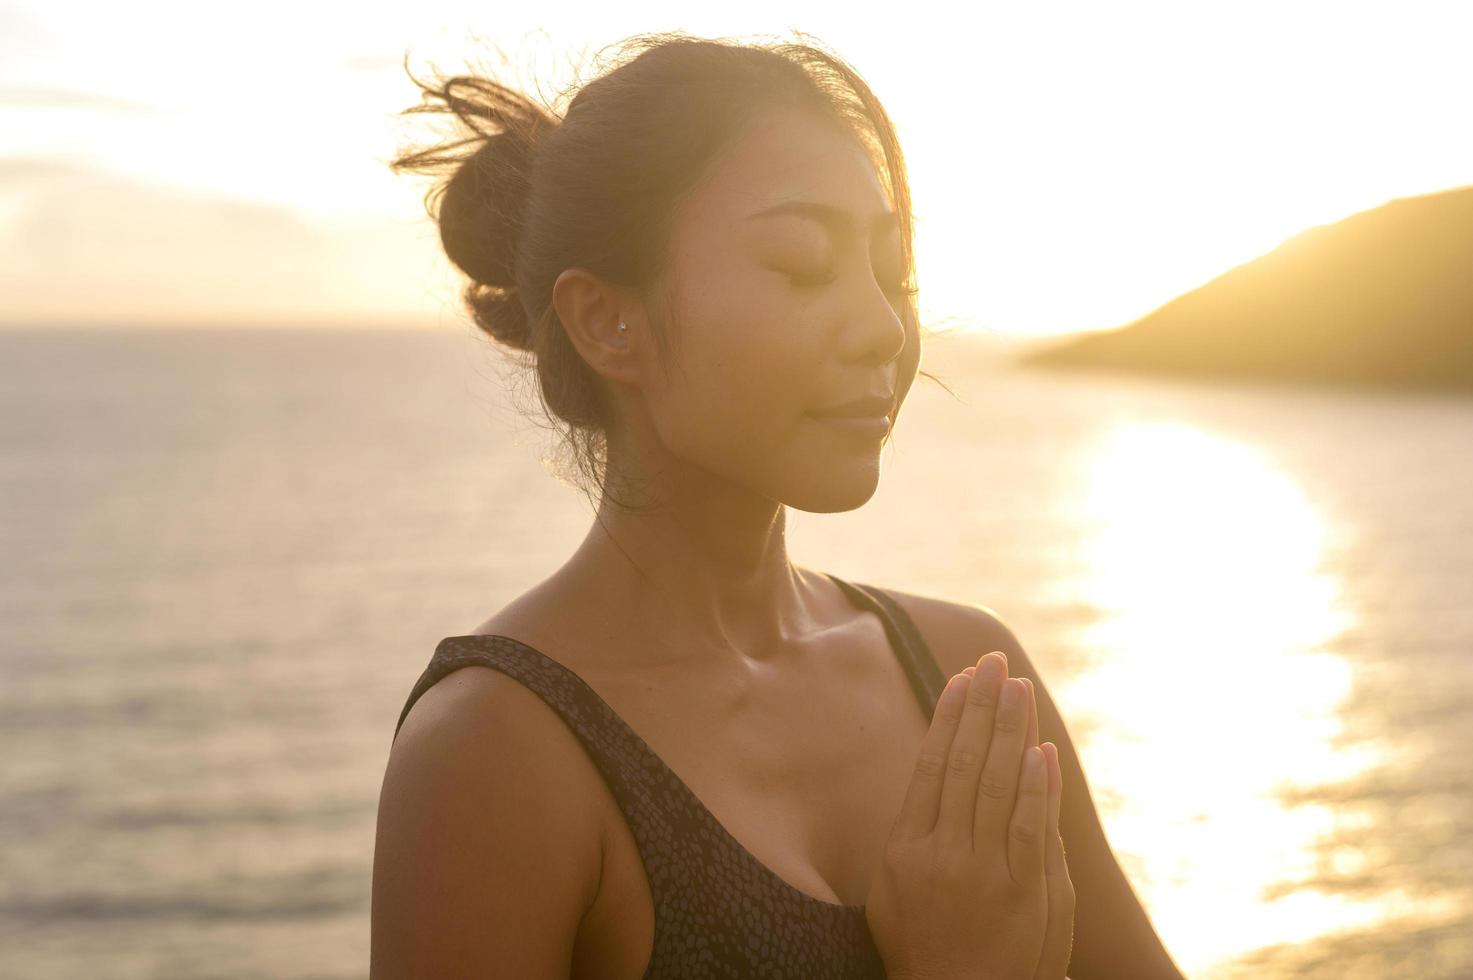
[{"x": 719, "y": 912}]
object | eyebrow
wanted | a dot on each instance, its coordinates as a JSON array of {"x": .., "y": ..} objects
[{"x": 838, "y": 220}]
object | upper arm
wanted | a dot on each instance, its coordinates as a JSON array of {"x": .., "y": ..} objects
[
  {"x": 1113, "y": 935},
  {"x": 487, "y": 853}
]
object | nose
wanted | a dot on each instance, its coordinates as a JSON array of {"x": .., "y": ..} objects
[{"x": 877, "y": 328}]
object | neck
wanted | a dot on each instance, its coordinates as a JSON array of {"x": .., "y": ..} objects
[{"x": 705, "y": 575}]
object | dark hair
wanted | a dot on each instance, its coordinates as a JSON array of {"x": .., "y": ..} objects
[{"x": 529, "y": 192}]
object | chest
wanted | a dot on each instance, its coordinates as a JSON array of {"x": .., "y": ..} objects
[{"x": 805, "y": 770}]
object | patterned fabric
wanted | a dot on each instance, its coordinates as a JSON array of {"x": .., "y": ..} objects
[{"x": 719, "y": 912}]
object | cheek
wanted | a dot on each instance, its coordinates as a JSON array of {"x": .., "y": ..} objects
[{"x": 747, "y": 358}]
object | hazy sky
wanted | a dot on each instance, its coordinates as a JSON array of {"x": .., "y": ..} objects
[{"x": 1073, "y": 165}]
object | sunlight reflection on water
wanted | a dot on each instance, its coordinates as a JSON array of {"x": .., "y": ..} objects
[{"x": 1207, "y": 563}]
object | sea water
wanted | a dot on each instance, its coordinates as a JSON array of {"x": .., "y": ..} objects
[{"x": 228, "y": 554}]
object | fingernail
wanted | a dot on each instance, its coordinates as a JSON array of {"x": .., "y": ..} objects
[
  {"x": 1012, "y": 691},
  {"x": 956, "y": 689}
]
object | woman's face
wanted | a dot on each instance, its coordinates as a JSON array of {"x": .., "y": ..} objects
[{"x": 777, "y": 316}]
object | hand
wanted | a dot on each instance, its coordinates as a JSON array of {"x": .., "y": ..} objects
[{"x": 973, "y": 885}]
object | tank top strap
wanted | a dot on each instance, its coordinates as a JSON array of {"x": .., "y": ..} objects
[
  {"x": 718, "y": 910},
  {"x": 926, "y": 677},
  {"x": 646, "y": 789}
]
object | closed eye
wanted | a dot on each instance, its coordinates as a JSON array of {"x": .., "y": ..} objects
[
  {"x": 814, "y": 281},
  {"x": 801, "y": 279}
]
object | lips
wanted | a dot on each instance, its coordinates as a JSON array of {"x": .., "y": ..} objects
[
  {"x": 863, "y": 425},
  {"x": 870, "y": 406}
]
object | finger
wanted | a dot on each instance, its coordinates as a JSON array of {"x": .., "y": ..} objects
[
  {"x": 1053, "y": 863},
  {"x": 918, "y": 811},
  {"x": 1032, "y": 713},
  {"x": 1058, "y": 938},
  {"x": 1055, "y": 857},
  {"x": 955, "y": 813},
  {"x": 997, "y": 787},
  {"x": 1026, "y": 832}
]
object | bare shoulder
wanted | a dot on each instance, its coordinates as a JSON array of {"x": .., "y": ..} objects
[
  {"x": 959, "y": 633},
  {"x": 487, "y": 852}
]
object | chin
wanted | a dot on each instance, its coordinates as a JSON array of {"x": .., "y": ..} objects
[{"x": 837, "y": 486}]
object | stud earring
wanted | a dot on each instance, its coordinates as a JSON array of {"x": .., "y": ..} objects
[{"x": 623, "y": 325}]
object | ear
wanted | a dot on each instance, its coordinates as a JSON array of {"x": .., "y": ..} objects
[{"x": 591, "y": 311}]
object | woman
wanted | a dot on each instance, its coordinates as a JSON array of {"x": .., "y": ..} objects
[{"x": 706, "y": 261}]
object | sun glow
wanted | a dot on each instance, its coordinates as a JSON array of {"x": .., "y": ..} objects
[{"x": 1072, "y": 167}]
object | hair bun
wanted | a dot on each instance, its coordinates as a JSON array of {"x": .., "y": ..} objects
[
  {"x": 499, "y": 312},
  {"x": 481, "y": 210},
  {"x": 480, "y": 224}
]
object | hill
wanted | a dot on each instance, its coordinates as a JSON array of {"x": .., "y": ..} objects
[{"x": 1383, "y": 297}]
